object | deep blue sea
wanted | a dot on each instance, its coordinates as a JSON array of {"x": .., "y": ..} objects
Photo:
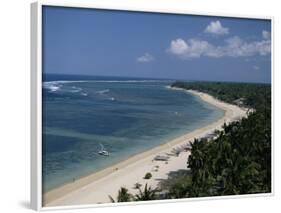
[{"x": 126, "y": 115}]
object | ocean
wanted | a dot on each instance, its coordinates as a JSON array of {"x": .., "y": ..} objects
[{"x": 126, "y": 115}]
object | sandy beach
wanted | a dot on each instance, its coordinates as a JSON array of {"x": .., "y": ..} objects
[{"x": 96, "y": 188}]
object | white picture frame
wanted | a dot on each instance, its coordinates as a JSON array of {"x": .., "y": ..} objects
[{"x": 36, "y": 98}]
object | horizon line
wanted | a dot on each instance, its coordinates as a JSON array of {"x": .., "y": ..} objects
[{"x": 160, "y": 78}]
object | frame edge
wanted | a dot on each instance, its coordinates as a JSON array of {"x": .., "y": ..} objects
[{"x": 35, "y": 185}]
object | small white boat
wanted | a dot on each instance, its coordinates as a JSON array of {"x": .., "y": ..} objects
[{"x": 103, "y": 151}]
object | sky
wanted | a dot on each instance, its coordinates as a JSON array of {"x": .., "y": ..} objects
[{"x": 154, "y": 45}]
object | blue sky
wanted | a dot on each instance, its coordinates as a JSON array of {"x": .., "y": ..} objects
[{"x": 153, "y": 45}]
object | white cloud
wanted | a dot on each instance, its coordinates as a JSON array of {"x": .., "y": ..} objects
[
  {"x": 178, "y": 46},
  {"x": 145, "y": 58},
  {"x": 232, "y": 47},
  {"x": 266, "y": 35},
  {"x": 215, "y": 27},
  {"x": 188, "y": 49},
  {"x": 237, "y": 47}
]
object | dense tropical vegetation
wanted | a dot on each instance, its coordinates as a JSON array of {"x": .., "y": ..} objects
[
  {"x": 238, "y": 159},
  {"x": 254, "y": 95}
]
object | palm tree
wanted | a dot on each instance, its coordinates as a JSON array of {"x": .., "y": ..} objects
[
  {"x": 147, "y": 194},
  {"x": 199, "y": 163},
  {"x": 123, "y": 196}
]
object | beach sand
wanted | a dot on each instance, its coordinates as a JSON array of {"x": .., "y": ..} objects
[{"x": 97, "y": 187}]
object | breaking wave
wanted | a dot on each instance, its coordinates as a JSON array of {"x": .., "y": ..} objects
[
  {"x": 103, "y": 91},
  {"x": 55, "y": 86},
  {"x": 52, "y": 86}
]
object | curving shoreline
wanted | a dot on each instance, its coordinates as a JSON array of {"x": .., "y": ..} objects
[{"x": 96, "y": 187}]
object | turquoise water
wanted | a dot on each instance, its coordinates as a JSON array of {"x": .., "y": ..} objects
[{"x": 127, "y": 116}]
